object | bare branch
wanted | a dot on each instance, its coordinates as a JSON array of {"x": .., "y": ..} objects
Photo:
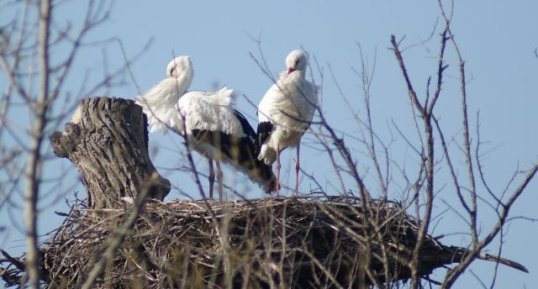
[
  {"x": 427, "y": 158},
  {"x": 32, "y": 174},
  {"x": 412, "y": 94}
]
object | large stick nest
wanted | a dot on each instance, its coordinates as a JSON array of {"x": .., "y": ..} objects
[{"x": 269, "y": 243}]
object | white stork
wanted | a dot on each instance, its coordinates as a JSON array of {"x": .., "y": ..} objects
[
  {"x": 285, "y": 113},
  {"x": 210, "y": 124}
]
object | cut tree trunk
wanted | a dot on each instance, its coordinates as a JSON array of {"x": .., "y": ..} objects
[{"x": 107, "y": 141}]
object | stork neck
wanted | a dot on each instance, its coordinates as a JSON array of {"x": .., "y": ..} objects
[{"x": 184, "y": 82}]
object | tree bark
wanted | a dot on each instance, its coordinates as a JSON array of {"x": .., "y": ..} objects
[{"x": 107, "y": 141}]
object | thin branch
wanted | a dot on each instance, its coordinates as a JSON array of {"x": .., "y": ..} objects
[
  {"x": 440, "y": 69},
  {"x": 33, "y": 173},
  {"x": 451, "y": 167},
  {"x": 474, "y": 253},
  {"x": 410, "y": 89},
  {"x": 428, "y": 161}
]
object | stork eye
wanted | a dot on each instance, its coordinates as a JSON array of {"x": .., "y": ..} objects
[{"x": 172, "y": 70}]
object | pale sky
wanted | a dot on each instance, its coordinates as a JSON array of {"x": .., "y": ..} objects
[{"x": 497, "y": 41}]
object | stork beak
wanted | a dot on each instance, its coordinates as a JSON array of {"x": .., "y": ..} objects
[{"x": 290, "y": 70}]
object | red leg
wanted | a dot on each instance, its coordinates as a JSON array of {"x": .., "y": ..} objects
[
  {"x": 277, "y": 191},
  {"x": 297, "y": 170}
]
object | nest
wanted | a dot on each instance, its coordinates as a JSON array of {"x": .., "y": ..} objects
[{"x": 269, "y": 243}]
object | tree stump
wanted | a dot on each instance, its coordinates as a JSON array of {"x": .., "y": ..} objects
[{"x": 107, "y": 141}]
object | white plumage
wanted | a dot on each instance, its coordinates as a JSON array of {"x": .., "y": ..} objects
[
  {"x": 208, "y": 120},
  {"x": 209, "y": 111},
  {"x": 158, "y": 103},
  {"x": 286, "y": 110}
]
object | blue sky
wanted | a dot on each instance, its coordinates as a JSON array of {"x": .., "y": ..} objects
[{"x": 497, "y": 41}]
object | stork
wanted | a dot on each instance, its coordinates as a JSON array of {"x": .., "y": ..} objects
[
  {"x": 285, "y": 113},
  {"x": 207, "y": 120}
]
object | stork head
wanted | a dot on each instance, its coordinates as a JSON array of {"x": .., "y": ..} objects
[
  {"x": 296, "y": 60},
  {"x": 180, "y": 66}
]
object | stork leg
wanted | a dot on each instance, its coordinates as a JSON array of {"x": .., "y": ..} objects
[
  {"x": 297, "y": 170},
  {"x": 219, "y": 182},
  {"x": 211, "y": 178},
  {"x": 277, "y": 190}
]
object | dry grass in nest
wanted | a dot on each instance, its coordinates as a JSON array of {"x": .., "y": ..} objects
[{"x": 267, "y": 243}]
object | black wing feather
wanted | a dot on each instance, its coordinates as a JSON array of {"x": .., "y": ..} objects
[
  {"x": 240, "y": 151},
  {"x": 263, "y": 132},
  {"x": 247, "y": 129}
]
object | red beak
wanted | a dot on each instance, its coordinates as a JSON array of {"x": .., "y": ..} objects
[{"x": 290, "y": 70}]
